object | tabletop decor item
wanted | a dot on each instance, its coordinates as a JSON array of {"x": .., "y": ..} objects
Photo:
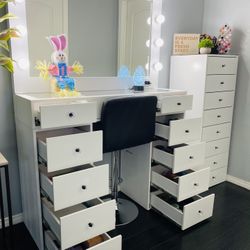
[
  {"x": 5, "y": 36},
  {"x": 225, "y": 40},
  {"x": 214, "y": 40},
  {"x": 186, "y": 44},
  {"x": 206, "y": 46},
  {"x": 58, "y": 71}
]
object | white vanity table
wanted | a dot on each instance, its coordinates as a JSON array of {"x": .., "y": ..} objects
[{"x": 64, "y": 174}]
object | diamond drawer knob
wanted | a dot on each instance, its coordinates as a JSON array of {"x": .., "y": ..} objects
[
  {"x": 71, "y": 115},
  {"x": 218, "y": 116},
  {"x": 196, "y": 184},
  {"x": 77, "y": 150},
  {"x": 179, "y": 103},
  {"x": 191, "y": 157},
  {"x": 222, "y": 83},
  {"x": 90, "y": 224},
  {"x": 223, "y": 65},
  {"x": 220, "y": 100},
  {"x": 200, "y": 212},
  {"x": 216, "y": 147},
  {"x": 84, "y": 187},
  {"x": 187, "y": 131}
]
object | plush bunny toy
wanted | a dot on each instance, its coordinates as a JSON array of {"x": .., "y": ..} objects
[{"x": 59, "y": 68}]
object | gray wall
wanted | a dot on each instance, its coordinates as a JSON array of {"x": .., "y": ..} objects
[
  {"x": 182, "y": 16},
  {"x": 236, "y": 14},
  {"x": 8, "y": 138},
  {"x": 93, "y": 34}
]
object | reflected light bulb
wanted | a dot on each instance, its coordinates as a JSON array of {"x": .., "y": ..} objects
[
  {"x": 22, "y": 30},
  {"x": 159, "y": 42},
  {"x": 147, "y": 66},
  {"x": 23, "y": 63},
  {"x": 160, "y": 19},
  {"x": 149, "y": 21},
  {"x": 158, "y": 66},
  {"x": 148, "y": 43}
]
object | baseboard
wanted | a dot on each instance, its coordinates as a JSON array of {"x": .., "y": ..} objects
[
  {"x": 18, "y": 218},
  {"x": 238, "y": 182}
]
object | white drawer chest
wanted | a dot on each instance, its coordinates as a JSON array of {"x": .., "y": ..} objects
[
  {"x": 64, "y": 177},
  {"x": 211, "y": 79}
]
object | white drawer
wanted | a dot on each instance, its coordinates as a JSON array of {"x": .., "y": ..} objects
[
  {"x": 175, "y": 104},
  {"x": 215, "y": 83},
  {"x": 180, "y": 131},
  {"x": 66, "y": 148},
  {"x": 191, "y": 214},
  {"x": 217, "y": 147},
  {"x": 218, "y": 176},
  {"x": 218, "y": 100},
  {"x": 216, "y": 132},
  {"x": 185, "y": 185},
  {"x": 222, "y": 65},
  {"x": 107, "y": 244},
  {"x": 217, "y": 161},
  {"x": 180, "y": 158},
  {"x": 217, "y": 116},
  {"x": 77, "y": 224},
  {"x": 71, "y": 114},
  {"x": 71, "y": 188}
]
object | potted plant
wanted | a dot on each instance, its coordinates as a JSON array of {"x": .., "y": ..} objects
[{"x": 206, "y": 46}]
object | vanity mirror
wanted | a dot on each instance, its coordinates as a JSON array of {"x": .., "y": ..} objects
[{"x": 103, "y": 35}]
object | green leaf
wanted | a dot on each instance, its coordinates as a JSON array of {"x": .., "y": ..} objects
[
  {"x": 4, "y": 44},
  {"x": 9, "y": 33},
  {"x": 7, "y": 63},
  {"x": 2, "y": 4},
  {"x": 6, "y": 17}
]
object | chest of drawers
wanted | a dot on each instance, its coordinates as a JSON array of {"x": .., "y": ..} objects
[{"x": 211, "y": 79}]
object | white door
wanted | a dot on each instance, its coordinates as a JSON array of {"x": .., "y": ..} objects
[
  {"x": 44, "y": 18},
  {"x": 134, "y": 32}
]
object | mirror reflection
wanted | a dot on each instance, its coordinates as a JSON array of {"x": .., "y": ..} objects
[{"x": 102, "y": 35}]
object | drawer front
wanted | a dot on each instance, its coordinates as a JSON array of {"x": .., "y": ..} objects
[
  {"x": 219, "y": 100},
  {"x": 216, "y": 132},
  {"x": 198, "y": 211},
  {"x": 218, "y": 176},
  {"x": 73, "y": 150},
  {"x": 215, "y": 83},
  {"x": 80, "y": 186},
  {"x": 73, "y": 114},
  {"x": 217, "y": 161},
  {"x": 217, "y": 116},
  {"x": 175, "y": 104},
  {"x": 222, "y": 65},
  {"x": 193, "y": 184},
  {"x": 101, "y": 217},
  {"x": 217, "y": 147},
  {"x": 184, "y": 131},
  {"x": 50, "y": 241}
]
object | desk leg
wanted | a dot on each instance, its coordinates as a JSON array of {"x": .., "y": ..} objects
[
  {"x": 2, "y": 206},
  {"x": 9, "y": 197}
]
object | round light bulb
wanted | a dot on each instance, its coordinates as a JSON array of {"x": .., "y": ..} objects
[
  {"x": 23, "y": 63},
  {"x": 148, "y": 43},
  {"x": 149, "y": 21},
  {"x": 159, "y": 42},
  {"x": 160, "y": 19},
  {"x": 158, "y": 66},
  {"x": 22, "y": 30}
]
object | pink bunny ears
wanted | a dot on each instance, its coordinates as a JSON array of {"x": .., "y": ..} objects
[{"x": 58, "y": 42}]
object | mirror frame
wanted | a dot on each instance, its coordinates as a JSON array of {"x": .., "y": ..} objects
[{"x": 23, "y": 83}]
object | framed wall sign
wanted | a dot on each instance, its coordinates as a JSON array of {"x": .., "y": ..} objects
[{"x": 186, "y": 44}]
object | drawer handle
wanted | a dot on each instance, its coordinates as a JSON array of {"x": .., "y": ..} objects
[
  {"x": 196, "y": 184},
  {"x": 90, "y": 224},
  {"x": 218, "y": 116},
  {"x": 191, "y": 157},
  {"x": 200, "y": 212},
  {"x": 77, "y": 150},
  {"x": 187, "y": 131},
  {"x": 213, "y": 177},
  {"x": 223, "y": 65},
  {"x": 84, "y": 187},
  {"x": 215, "y": 163},
  {"x": 216, "y": 147},
  {"x": 179, "y": 103},
  {"x": 71, "y": 115},
  {"x": 222, "y": 83},
  {"x": 220, "y": 100},
  {"x": 218, "y": 132}
]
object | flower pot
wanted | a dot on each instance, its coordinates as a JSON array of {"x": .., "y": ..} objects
[{"x": 205, "y": 50}]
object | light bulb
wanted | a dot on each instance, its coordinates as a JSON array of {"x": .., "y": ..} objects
[
  {"x": 147, "y": 66},
  {"x": 158, "y": 66},
  {"x": 22, "y": 30},
  {"x": 160, "y": 19},
  {"x": 159, "y": 42},
  {"x": 149, "y": 21},
  {"x": 23, "y": 63},
  {"x": 148, "y": 43}
]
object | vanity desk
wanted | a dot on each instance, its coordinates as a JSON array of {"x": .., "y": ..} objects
[{"x": 64, "y": 176}]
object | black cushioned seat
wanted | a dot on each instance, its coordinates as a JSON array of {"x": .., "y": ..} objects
[{"x": 128, "y": 122}]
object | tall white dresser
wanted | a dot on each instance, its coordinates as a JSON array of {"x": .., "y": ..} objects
[{"x": 211, "y": 79}]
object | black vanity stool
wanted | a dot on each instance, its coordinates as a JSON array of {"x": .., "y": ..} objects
[
  {"x": 4, "y": 165},
  {"x": 126, "y": 122}
]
